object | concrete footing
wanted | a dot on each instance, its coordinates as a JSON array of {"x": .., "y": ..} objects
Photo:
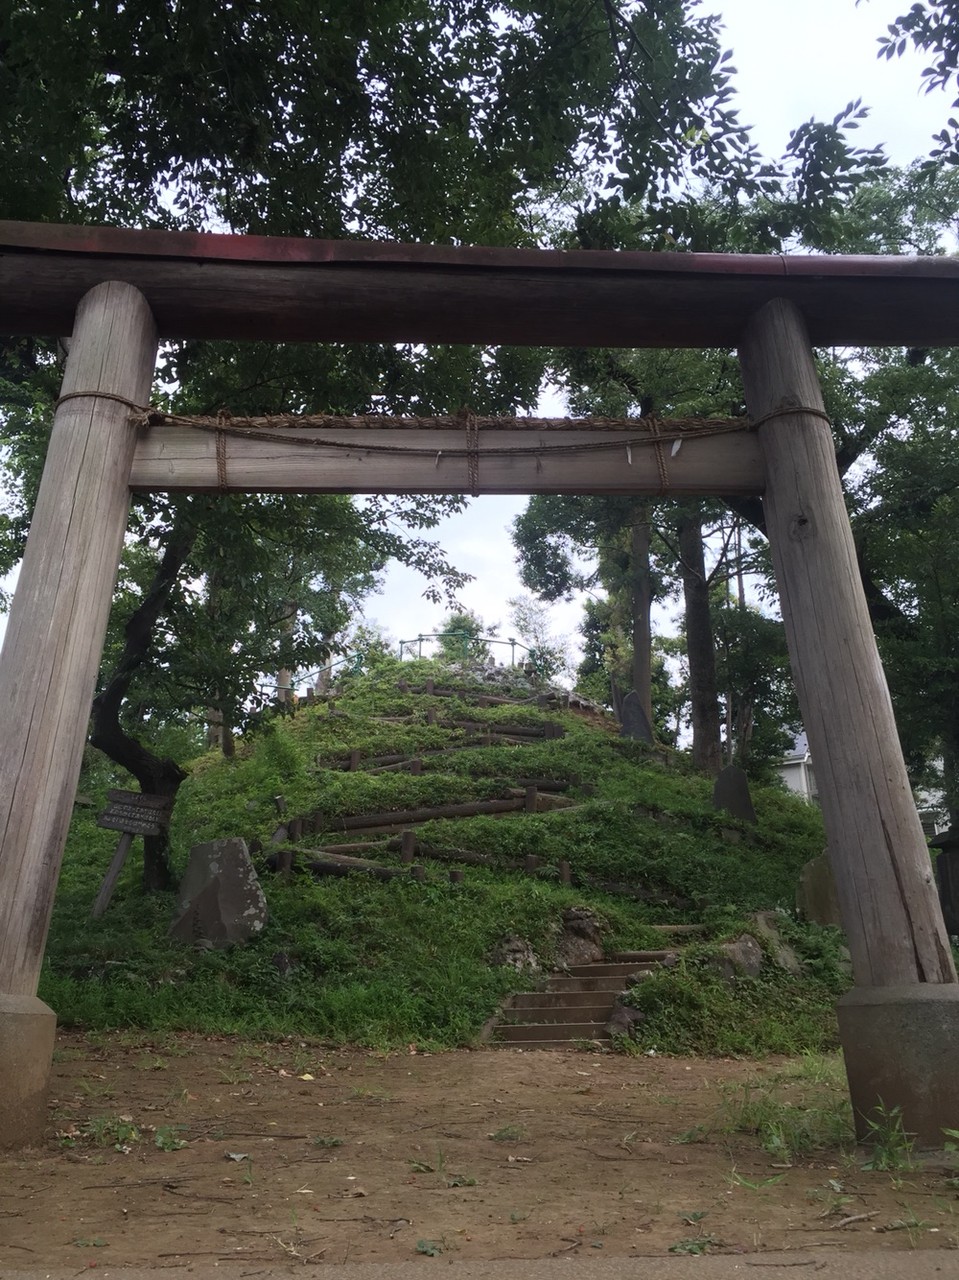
[
  {"x": 900, "y": 1045},
  {"x": 27, "y": 1031}
]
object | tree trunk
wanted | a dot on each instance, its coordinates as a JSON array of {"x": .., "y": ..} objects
[
  {"x": 700, "y": 646},
  {"x": 284, "y": 677},
  {"x": 640, "y": 601},
  {"x": 155, "y": 775}
]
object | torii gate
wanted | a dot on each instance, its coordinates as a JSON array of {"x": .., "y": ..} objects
[{"x": 118, "y": 291}]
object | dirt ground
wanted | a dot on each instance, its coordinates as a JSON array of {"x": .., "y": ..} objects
[{"x": 294, "y": 1152}]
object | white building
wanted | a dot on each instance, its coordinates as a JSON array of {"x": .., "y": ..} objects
[{"x": 796, "y": 772}]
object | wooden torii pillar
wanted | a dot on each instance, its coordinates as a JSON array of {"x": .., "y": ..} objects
[
  {"x": 51, "y": 655},
  {"x": 900, "y": 1025}
]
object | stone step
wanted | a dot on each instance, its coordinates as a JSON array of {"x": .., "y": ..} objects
[
  {"x": 523, "y": 1032},
  {"x": 641, "y": 957},
  {"x": 562, "y": 999},
  {"x": 558, "y": 1014},
  {"x": 596, "y": 1044},
  {"x": 607, "y": 969},
  {"x": 567, "y": 985}
]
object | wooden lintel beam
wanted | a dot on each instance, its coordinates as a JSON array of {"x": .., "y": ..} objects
[
  {"x": 286, "y": 290},
  {"x": 177, "y": 458}
]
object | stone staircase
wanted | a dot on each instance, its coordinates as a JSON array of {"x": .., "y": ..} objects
[{"x": 573, "y": 1005}]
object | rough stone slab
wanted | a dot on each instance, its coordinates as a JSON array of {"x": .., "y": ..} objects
[
  {"x": 731, "y": 794},
  {"x": 27, "y": 1031},
  {"x": 581, "y": 938},
  {"x": 220, "y": 899},
  {"x": 743, "y": 957},
  {"x": 765, "y": 926},
  {"x": 635, "y": 723},
  {"x": 816, "y": 897},
  {"x": 900, "y": 1044}
]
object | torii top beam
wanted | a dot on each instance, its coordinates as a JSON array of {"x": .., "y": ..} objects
[{"x": 270, "y": 289}]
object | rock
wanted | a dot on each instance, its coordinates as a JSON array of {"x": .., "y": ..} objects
[
  {"x": 731, "y": 794},
  {"x": 580, "y": 940},
  {"x": 514, "y": 952},
  {"x": 624, "y": 1020},
  {"x": 816, "y": 897},
  {"x": 635, "y": 722},
  {"x": 220, "y": 899},
  {"x": 766, "y": 927},
  {"x": 742, "y": 958}
]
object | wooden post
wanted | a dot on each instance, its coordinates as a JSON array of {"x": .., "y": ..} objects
[
  {"x": 59, "y": 615},
  {"x": 407, "y": 846},
  {"x": 565, "y": 872},
  {"x": 884, "y": 878},
  {"x": 529, "y": 800},
  {"x": 112, "y": 875}
]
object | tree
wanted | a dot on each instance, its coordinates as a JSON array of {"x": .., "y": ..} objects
[
  {"x": 461, "y": 637},
  {"x": 700, "y": 643},
  {"x": 932, "y": 27},
  {"x": 317, "y": 116},
  {"x": 752, "y": 664},
  {"x": 549, "y": 654},
  {"x": 555, "y": 535},
  {"x": 304, "y": 118}
]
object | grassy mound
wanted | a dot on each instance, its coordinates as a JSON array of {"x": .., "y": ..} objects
[{"x": 356, "y": 960}]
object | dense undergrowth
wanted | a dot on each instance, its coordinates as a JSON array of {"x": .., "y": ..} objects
[{"x": 355, "y": 960}]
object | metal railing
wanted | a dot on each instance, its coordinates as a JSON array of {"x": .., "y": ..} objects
[{"x": 469, "y": 644}]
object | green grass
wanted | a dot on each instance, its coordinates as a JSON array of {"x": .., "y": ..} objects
[{"x": 383, "y": 964}]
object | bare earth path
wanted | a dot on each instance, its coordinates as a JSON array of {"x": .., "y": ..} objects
[{"x": 294, "y": 1154}]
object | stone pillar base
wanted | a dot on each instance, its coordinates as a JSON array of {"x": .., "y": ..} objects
[
  {"x": 27, "y": 1031},
  {"x": 900, "y": 1045}
]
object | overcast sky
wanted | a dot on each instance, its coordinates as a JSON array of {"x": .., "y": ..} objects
[{"x": 794, "y": 60}]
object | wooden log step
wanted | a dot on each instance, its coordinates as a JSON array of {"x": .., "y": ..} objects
[
  {"x": 408, "y": 817},
  {"x": 551, "y": 729},
  {"x": 330, "y": 864},
  {"x": 414, "y": 766},
  {"x": 466, "y": 856},
  {"x": 358, "y": 846},
  {"x": 373, "y": 762},
  {"x": 472, "y": 696}
]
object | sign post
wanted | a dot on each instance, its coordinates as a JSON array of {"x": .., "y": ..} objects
[{"x": 133, "y": 814}]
